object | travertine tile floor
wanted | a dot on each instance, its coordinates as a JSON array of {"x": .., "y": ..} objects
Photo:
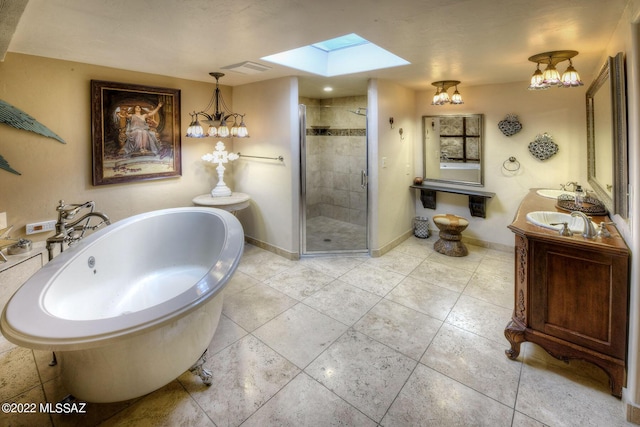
[
  {"x": 412, "y": 338},
  {"x": 325, "y": 234}
]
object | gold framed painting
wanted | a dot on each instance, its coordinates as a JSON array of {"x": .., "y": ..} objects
[{"x": 135, "y": 132}]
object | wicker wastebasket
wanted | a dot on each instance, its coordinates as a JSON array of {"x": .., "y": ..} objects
[{"x": 421, "y": 227}]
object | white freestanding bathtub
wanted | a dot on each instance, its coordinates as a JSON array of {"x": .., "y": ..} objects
[{"x": 133, "y": 306}]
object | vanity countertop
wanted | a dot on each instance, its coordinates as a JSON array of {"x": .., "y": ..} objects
[
  {"x": 533, "y": 202},
  {"x": 13, "y": 260}
]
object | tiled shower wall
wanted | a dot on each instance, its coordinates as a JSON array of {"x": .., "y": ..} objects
[{"x": 336, "y": 156}]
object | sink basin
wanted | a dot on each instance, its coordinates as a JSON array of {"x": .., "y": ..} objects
[
  {"x": 546, "y": 218},
  {"x": 553, "y": 194}
]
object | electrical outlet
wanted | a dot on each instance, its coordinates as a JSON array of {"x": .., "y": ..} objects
[
  {"x": 3, "y": 220},
  {"x": 384, "y": 162},
  {"x": 41, "y": 227}
]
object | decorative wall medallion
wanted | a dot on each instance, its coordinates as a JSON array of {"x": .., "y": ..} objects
[
  {"x": 543, "y": 147},
  {"x": 510, "y": 125}
]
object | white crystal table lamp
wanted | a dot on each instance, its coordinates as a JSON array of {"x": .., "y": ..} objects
[{"x": 220, "y": 156}]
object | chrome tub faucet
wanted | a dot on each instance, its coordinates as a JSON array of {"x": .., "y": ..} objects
[{"x": 70, "y": 232}]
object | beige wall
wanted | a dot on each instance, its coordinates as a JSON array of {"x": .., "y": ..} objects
[
  {"x": 273, "y": 185},
  {"x": 559, "y": 112},
  {"x": 392, "y": 206},
  {"x": 57, "y": 93}
]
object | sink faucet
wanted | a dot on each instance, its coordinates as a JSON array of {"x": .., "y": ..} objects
[
  {"x": 72, "y": 232},
  {"x": 589, "y": 230},
  {"x": 566, "y": 186}
]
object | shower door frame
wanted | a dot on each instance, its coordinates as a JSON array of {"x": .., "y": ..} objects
[{"x": 303, "y": 192}]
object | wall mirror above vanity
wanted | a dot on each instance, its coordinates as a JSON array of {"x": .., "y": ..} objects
[
  {"x": 453, "y": 154},
  {"x": 452, "y": 147},
  {"x": 607, "y": 168}
]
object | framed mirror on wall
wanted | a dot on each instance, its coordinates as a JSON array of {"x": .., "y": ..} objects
[
  {"x": 452, "y": 147},
  {"x": 607, "y": 167}
]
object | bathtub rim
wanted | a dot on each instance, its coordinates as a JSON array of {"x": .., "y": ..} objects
[{"x": 43, "y": 331}]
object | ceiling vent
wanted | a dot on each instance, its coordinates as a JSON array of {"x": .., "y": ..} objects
[{"x": 247, "y": 67}]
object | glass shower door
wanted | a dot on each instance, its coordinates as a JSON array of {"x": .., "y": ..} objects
[{"x": 334, "y": 179}]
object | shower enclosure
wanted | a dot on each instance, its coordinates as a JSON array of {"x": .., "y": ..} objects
[{"x": 333, "y": 141}]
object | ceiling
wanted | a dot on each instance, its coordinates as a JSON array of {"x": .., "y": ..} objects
[{"x": 478, "y": 42}]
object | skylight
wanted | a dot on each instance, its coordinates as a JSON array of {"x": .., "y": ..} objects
[
  {"x": 350, "y": 40},
  {"x": 338, "y": 56}
]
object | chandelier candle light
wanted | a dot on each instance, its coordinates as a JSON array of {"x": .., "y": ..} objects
[
  {"x": 551, "y": 77},
  {"x": 442, "y": 97},
  {"x": 220, "y": 156},
  {"x": 217, "y": 120}
]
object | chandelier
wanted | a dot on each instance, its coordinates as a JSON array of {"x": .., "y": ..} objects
[
  {"x": 551, "y": 76},
  {"x": 218, "y": 119},
  {"x": 441, "y": 96}
]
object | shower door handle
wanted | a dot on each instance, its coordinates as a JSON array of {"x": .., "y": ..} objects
[{"x": 363, "y": 178}]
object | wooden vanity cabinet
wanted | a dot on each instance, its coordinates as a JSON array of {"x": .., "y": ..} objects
[{"x": 571, "y": 294}]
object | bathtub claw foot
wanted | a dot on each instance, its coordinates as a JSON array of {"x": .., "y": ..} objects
[
  {"x": 199, "y": 370},
  {"x": 206, "y": 376},
  {"x": 54, "y": 360}
]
